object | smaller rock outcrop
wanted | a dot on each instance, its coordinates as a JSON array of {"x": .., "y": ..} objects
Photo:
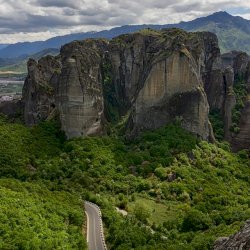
[
  {"x": 238, "y": 131},
  {"x": 39, "y": 89},
  {"x": 230, "y": 101},
  {"x": 238, "y": 241}
]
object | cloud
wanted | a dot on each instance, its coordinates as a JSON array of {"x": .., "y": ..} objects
[
  {"x": 59, "y": 3},
  {"x": 40, "y": 19}
]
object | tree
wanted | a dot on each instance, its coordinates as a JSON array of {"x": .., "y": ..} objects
[{"x": 141, "y": 212}]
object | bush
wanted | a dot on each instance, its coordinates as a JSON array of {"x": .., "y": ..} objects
[
  {"x": 195, "y": 220},
  {"x": 141, "y": 212}
]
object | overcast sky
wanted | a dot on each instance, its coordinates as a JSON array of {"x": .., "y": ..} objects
[{"x": 30, "y": 20}]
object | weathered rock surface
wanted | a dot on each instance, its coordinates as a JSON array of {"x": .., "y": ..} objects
[
  {"x": 240, "y": 64},
  {"x": 39, "y": 89},
  {"x": 229, "y": 101},
  {"x": 173, "y": 90},
  {"x": 156, "y": 77},
  {"x": 79, "y": 95},
  {"x": 212, "y": 71},
  {"x": 238, "y": 241}
]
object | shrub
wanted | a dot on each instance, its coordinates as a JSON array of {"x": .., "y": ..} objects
[{"x": 195, "y": 220}]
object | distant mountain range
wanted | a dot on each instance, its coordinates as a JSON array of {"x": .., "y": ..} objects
[
  {"x": 233, "y": 33},
  {"x": 18, "y": 66}
]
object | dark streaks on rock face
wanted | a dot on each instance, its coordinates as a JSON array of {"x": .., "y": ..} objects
[
  {"x": 80, "y": 94},
  {"x": 150, "y": 67},
  {"x": 131, "y": 58},
  {"x": 155, "y": 76},
  {"x": 240, "y": 67},
  {"x": 141, "y": 73},
  {"x": 40, "y": 88},
  {"x": 229, "y": 101}
]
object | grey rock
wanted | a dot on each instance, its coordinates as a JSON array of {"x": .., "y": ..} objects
[{"x": 238, "y": 241}]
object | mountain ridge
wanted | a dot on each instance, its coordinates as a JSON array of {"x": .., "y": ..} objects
[{"x": 220, "y": 23}]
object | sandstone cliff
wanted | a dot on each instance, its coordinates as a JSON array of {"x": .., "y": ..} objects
[
  {"x": 79, "y": 95},
  {"x": 156, "y": 76}
]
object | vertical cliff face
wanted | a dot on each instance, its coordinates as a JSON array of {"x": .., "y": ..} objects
[
  {"x": 229, "y": 101},
  {"x": 157, "y": 76},
  {"x": 130, "y": 63},
  {"x": 241, "y": 140},
  {"x": 39, "y": 89},
  {"x": 173, "y": 91},
  {"x": 212, "y": 71},
  {"x": 79, "y": 94},
  {"x": 239, "y": 137}
]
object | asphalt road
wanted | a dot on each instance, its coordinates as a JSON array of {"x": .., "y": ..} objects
[{"x": 94, "y": 234}]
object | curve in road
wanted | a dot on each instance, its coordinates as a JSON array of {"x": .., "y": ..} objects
[{"x": 95, "y": 237}]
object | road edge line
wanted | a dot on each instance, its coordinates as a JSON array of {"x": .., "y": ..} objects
[{"x": 87, "y": 227}]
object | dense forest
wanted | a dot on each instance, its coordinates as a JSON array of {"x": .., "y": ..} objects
[{"x": 178, "y": 192}]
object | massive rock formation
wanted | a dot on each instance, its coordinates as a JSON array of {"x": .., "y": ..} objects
[
  {"x": 238, "y": 241},
  {"x": 212, "y": 72},
  {"x": 155, "y": 77}
]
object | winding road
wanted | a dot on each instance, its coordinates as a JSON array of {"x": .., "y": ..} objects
[{"x": 95, "y": 237}]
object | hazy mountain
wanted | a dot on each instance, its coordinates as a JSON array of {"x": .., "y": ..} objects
[
  {"x": 20, "y": 64},
  {"x": 233, "y": 33}
]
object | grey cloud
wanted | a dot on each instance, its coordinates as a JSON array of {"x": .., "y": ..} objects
[
  {"x": 60, "y": 3},
  {"x": 44, "y": 15}
]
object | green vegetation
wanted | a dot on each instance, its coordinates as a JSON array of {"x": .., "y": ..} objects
[
  {"x": 149, "y": 32},
  {"x": 216, "y": 120},
  {"x": 240, "y": 90},
  {"x": 229, "y": 37},
  {"x": 20, "y": 68},
  {"x": 179, "y": 192},
  {"x": 32, "y": 217}
]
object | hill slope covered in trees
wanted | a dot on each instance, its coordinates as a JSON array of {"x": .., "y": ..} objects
[{"x": 179, "y": 192}]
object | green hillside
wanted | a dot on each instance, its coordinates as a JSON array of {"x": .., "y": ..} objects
[
  {"x": 179, "y": 192},
  {"x": 233, "y": 32}
]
